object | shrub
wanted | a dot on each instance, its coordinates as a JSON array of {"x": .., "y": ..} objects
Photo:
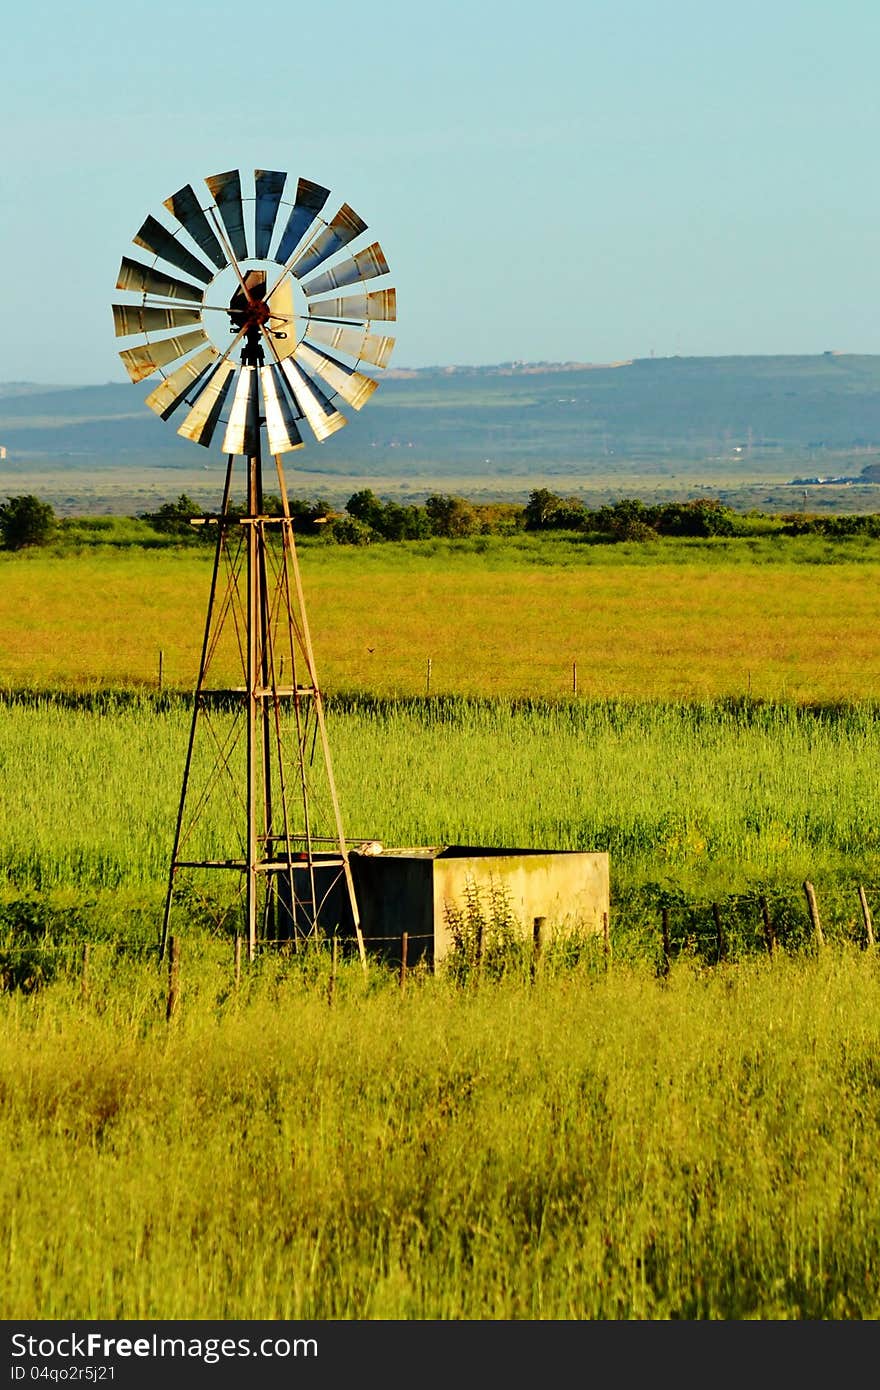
[
  {"x": 451, "y": 516},
  {"x": 25, "y": 521}
]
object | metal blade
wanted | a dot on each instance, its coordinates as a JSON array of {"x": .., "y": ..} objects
[
  {"x": 352, "y": 386},
  {"x": 310, "y": 198},
  {"x": 143, "y": 278},
  {"x": 364, "y": 265},
  {"x": 366, "y": 347},
  {"x": 323, "y": 417},
  {"x": 171, "y": 392},
  {"x": 346, "y": 225},
  {"x": 243, "y": 430},
  {"x": 280, "y": 302},
  {"x": 201, "y": 421},
  {"x": 141, "y": 362},
  {"x": 132, "y": 318},
  {"x": 226, "y": 192},
  {"x": 269, "y": 186},
  {"x": 281, "y": 427},
  {"x": 381, "y": 304},
  {"x": 185, "y": 206},
  {"x": 156, "y": 238}
]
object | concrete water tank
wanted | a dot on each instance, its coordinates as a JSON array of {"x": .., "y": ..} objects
[{"x": 421, "y": 890}]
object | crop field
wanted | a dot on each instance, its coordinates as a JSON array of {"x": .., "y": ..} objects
[
  {"x": 654, "y": 1133},
  {"x": 775, "y": 619}
]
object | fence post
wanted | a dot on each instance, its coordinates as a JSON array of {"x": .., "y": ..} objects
[
  {"x": 769, "y": 933},
  {"x": 161, "y": 665},
  {"x": 814, "y": 913},
  {"x": 428, "y": 677},
  {"x": 866, "y": 915},
  {"x": 667, "y": 950},
  {"x": 606, "y": 941},
  {"x": 719, "y": 932},
  {"x": 574, "y": 678},
  {"x": 539, "y": 927},
  {"x": 173, "y": 977},
  {"x": 404, "y": 941},
  {"x": 334, "y": 956}
]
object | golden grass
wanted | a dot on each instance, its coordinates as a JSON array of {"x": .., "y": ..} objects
[
  {"x": 707, "y": 627},
  {"x": 587, "y": 1148}
]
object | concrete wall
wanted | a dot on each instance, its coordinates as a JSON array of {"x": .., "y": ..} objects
[
  {"x": 570, "y": 890},
  {"x": 415, "y": 890}
]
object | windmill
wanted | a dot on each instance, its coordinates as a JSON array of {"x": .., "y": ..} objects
[{"x": 235, "y": 307}]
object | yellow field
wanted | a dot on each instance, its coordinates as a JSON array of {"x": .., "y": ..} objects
[{"x": 697, "y": 629}]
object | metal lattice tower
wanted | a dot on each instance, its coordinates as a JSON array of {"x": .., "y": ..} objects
[{"x": 264, "y": 727}]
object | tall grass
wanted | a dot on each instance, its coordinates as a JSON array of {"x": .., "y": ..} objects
[
  {"x": 613, "y": 1147},
  {"x": 704, "y": 800}
]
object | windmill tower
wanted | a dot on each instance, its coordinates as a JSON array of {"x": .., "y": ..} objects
[{"x": 253, "y": 347}]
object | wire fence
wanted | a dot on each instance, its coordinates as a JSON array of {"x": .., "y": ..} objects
[{"x": 667, "y": 929}]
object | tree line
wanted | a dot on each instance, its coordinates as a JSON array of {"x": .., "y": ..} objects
[{"x": 26, "y": 520}]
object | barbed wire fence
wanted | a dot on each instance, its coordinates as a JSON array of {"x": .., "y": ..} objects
[{"x": 670, "y": 929}]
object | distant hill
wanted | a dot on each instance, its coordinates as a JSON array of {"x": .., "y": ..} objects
[{"x": 728, "y": 421}]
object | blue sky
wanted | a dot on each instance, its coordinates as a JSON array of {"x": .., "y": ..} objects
[{"x": 557, "y": 181}]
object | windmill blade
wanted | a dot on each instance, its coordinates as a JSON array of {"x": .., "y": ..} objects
[
  {"x": 346, "y": 225},
  {"x": 134, "y": 318},
  {"x": 269, "y": 185},
  {"x": 185, "y": 206},
  {"x": 243, "y": 429},
  {"x": 171, "y": 392},
  {"x": 226, "y": 192},
  {"x": 352, "y": 386},
  {"x": 364, "y": 265},
  {"x": 366, "y": 347},
  {"x": 156, "y": 238},
  {"x": 310, "y": 198},
  {"x": 323, "y": 417},
  {"x": 200, "y": 423},
  {"x": 283, "y": 435},
  {"x": 144, "y": 279},
  {"x": 380, "y": 304},
  {"x": 141, "y": 362}
]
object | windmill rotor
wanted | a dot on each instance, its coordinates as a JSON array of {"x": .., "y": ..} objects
[{"x": 237, "y": 311}]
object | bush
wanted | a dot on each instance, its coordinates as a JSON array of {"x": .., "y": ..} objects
[
  {"x": 348, "y": 530},
  {"x": 26, "y": 521},
  {"x": 546, "y": 511},
  {"x": 174, "y": 518},
  {"x": 451, "y": 516}
]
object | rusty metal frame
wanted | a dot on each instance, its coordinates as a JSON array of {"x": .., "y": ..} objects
[{"x": 256, "y": 595}]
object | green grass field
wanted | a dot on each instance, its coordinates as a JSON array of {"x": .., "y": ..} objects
[
  {"x": 706, "y": 798},
  {"x": 599, "y": 1143}
]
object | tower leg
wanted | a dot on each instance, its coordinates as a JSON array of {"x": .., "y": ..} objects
[{"x": 200, "y": 681}]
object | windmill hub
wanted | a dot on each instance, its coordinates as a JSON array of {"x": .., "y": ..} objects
[{"x": 253, "y": 315}]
